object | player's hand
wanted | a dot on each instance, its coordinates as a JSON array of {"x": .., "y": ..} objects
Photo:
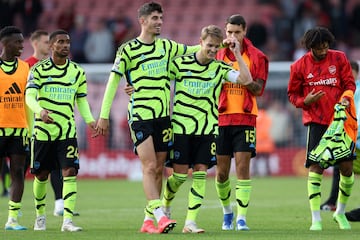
[
  {"x": 345, "y": 102},
  {"x": 45, "y": 116},
  {"x": 129, "y": 89},
  {"x": 233, "y": 44},
  {"x": 102, "y": 127},
  {"x": 92, "y": 126},
  {"x": 313, "y": 96}
]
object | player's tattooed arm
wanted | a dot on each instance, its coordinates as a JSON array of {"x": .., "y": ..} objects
[{"x": 256, "y": 86}]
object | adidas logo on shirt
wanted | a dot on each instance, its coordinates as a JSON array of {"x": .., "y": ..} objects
[
  {"x": 13, "y": 89},
  {"x": 310, "y": 76}
]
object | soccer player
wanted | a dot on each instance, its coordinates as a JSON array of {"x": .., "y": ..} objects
[
  {"x": 319, "y": 80},
  {"x": 237, "y": 122},
  {"x": 144, "y": 61},
  {"x": 198, "y": 81},
  {"x": 53, "y": 86},
  {"x": 40, "y": 44},
  {"x": 13, "y": 118}
]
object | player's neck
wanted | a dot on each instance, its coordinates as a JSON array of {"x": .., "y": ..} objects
[
  {"x": 59, "y": 60},
  {"x": 146, "y": 38},
  {"x": 39, "y": 56},
  {"x": 7, "y": 57}
]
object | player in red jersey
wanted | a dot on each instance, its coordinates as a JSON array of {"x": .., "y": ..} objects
[
  {"x": 237, "y": 121},
  {"x": 40, "y": 43},
  {"x": 319, "y": 80}
]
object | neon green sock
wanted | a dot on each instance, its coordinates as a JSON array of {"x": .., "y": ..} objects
[
  {"x": 173, "y": 184},
  {"x": 223, "y": 191},
  {"x": 345, "y": 188},
  {"x": 196, "y": 195},
  {"x": 39, "y": 190},
  {"x": 243, "y": 191},
  {"x": 314, "y": 190},
  {"x": 14, "y": 208},
  {"x": 148, "y": 213},
  {"x": 69, "y": 196}
]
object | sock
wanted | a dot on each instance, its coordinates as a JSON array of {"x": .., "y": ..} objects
[
  {"x": 14, "y": 208},
  {"x": 173, "y": 184},
  {"x": 345, "y": 189},
  {"x": 154, "y": 206},
  {"x": 243, "y": 191},
  {"x": 69, "y": 196},
  {"x": 224, "y": 191},
  {"x": 314, "y": 194},
  {"x": 39, "y": 190},
  {"x": 196, "y": 195},
  {"x": 148, "y": 214},
  {"x": 59, "y": 204}
]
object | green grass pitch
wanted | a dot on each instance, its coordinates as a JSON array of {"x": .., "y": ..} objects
[{"x": 113, "y": 209}]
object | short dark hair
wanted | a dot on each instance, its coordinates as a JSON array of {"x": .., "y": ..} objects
[
  {"x": 354, "y": 65},
  {"x": 148, "y": 8},
  {"x": 316, "y": 36},
  {"x": 57, "y": 32},
  {"x": 8, "y": 31},
  {"x": 37, "y": 34},
  {"x": 236, "y": 19}
]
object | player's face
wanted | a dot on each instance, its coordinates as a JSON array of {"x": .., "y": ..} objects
[
  {"x": 61, "y": 45},
  {"x": 320, "y": 52},
  {"x": 236, "y": 31},
  {"x": 153, "y": 23},
  {"x": 210, "y": 46},
  {"x": 43, "y": 45},
  {"x": 14, "y": 44}
]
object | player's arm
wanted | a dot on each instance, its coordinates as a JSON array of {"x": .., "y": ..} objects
[
  {"x": 244, "y": 78},
  {"x": 102, "y": 125},
  {"x": 256, "y": 86},
  {"x": 85, "y": 112},
  {"x": 33, "y": 104}
]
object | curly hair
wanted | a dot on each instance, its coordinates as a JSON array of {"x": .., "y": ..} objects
[{"x": 316, "y": 36}]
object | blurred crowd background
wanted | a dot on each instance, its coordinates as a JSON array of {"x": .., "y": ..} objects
[{"x": 98, "y": 27}]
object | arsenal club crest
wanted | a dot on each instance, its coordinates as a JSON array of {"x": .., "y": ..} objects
[{"x": 332, "y": 69}]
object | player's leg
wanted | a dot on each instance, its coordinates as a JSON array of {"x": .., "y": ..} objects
[
  {"x": 330, "y": 203},
  {"x": 202, "y": 156},
  {"x": 195, "y": 198},
  {"x": 17, "y": 163},
  {"x": 57, "y": 186},
  {"x": 315, "y": 132},
  {"x": 150, "y": 165},
  {"x": 180, "y": 166},
  {"x": 345, "y": 188},
  {"x": 222, "y": 182},
  {"x": 243, "y": 188},
  {"x": 5, "y": 176},
  {"x": 68, "y": 157}
]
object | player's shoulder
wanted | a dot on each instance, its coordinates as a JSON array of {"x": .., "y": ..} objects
[
  {"x": 42, "y": 64},
  {"x": 75, "y": 65}
]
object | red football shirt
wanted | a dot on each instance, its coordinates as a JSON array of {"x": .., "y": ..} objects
[
  {"x": 332, "y": 75},
  {"x": 31, "y": 61}
]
